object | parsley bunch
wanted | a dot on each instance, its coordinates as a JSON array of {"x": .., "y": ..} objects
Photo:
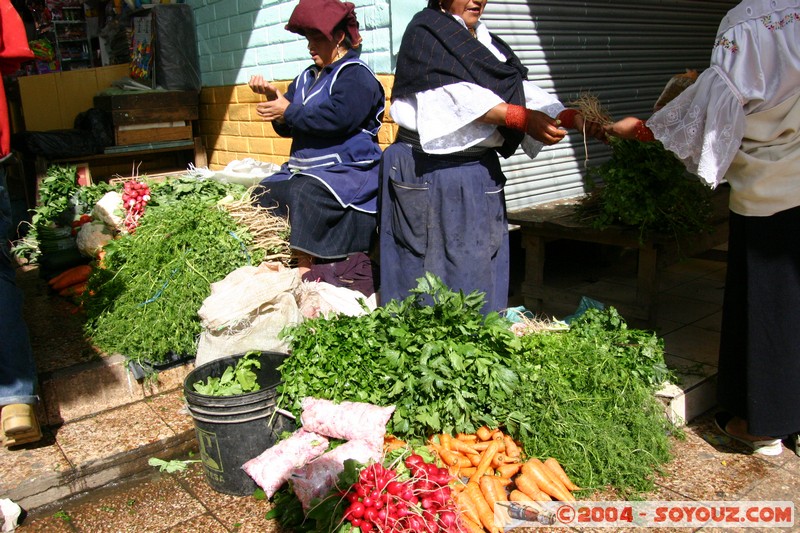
[{"x": 444, "y": 366}]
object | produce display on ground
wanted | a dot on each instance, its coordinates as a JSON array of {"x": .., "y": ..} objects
[
  {"x": 139, "y": 256},
  {"x": 419, "y": 415},
  {"x": 483, "y": 418}
]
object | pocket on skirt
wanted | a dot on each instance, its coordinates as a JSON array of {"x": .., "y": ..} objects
[{"x": 410, "y": 212}]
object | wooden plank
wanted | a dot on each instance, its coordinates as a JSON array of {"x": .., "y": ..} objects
[
  {"x": 149, "y": 115},
  {"x": 140, "y": 136},
  {"x": 112, "y": 101}
]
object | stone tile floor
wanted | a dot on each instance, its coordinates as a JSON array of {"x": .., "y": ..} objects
[{"x": 103, "y": 426}]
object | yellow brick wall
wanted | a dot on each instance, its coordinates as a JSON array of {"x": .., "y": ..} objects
[{"x": 232, "y": 130}]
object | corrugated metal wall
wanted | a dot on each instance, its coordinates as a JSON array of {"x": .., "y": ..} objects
[{"x": 624, "y": 52}]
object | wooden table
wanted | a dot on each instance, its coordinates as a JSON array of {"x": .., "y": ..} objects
[{"x": 557, "y": 220}]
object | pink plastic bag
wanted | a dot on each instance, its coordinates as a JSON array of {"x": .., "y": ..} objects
[
  {"x": 274, "y": 466},
  {"x": 317, "y": 478},
  {"x": 347, "y": 420}
]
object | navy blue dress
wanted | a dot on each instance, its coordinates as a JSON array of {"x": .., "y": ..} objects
[{"x": 329, "y": 186}]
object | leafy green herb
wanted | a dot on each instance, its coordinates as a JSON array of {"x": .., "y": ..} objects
[
  {"x": 444, "y": 366},
  {"x": 238, "y": 379},
  {"x": 171, "y": 466},
  {"x": 587, "y": 396},
  {"x": 647, "y": 187},
  {"x": 145, "y": 302}
]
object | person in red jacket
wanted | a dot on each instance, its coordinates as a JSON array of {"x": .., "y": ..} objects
[{"x": 17, "y": 369}]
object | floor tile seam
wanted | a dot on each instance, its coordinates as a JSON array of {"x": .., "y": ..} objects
[
  {"x": 148, "y": 402},
  {"x": 186, "y": 486},
  {"x": 208, "y": 513}
]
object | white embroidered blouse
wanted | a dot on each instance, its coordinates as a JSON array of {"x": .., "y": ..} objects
[
  {"x": 740, "y": 121},
  {"x": 445, "y": 117}
]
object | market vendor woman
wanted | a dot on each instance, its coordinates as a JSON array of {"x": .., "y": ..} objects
[{"x": 332, "y": 111}]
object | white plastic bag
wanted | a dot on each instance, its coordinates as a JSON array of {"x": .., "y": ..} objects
[
  {"x": 247, "y": 310},
  {"x": 318, "y": 298},
  {"x": 316, "y": 478},
  {"x": 274, "y": 466},
  {"x": 346, "y": 420}
]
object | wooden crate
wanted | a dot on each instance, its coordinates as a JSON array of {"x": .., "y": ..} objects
[{"x": 155, "y": 133}]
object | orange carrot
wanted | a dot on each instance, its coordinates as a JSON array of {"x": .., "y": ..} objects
[
  {"x": 536, "y": 470},
  {"x": 467, "y": 507},
  {"x": 481, "y": 446},
  {"x": 489, "y": 491},
  {"x": 497, "y": 434},
  {"x": 502, "y": 483},
  {"x": 486, "y": 461},
  {"x": 73, "y": 290},
  {"x": 512, "y": 450},
  {"x": 467, "y": 437},
  {"x": 519, "y": 496},
  {"x": 72, "y": 276},
  {"x": 485, "y": 514},
  {"x": 444, "y": 440},
  {"x": 484, "y": 433},
  {"x": 556, "y": 468},
  {"x": 547, "y": 472},
  {"x": 508, "y": 470},
  {"x": 461, "y": 446},
  {"x": 448, "y": 457},
  {"x": 468, "y": 471},
  {"x": 471, "y": 526}
]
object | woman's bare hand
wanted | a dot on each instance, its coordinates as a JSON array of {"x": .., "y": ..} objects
[
  {"x": 590, "y": 129},
  {"x": 624, "y": 128},
  {"x": 544, "y": 128},
  {"x": 261, "y": 86},
  {"x": 273, "y": 109}
]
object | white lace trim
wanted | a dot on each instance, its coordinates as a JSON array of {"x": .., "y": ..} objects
[{"x": 703, "y": 126}]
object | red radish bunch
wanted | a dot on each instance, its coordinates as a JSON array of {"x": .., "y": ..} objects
[
  {"x": 380, "y": 502},
  {"x": 135, "y": 195}
]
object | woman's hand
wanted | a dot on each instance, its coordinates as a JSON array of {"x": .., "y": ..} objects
[
  {"x": 544, "y": 128},
  {"x": 273, "y": 109},
  {"x": 590, "y": 129},
  {"x": 624, "y": 128},
  {"x": 261, "y": 86}
]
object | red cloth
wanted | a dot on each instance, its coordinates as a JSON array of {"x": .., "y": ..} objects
[
  {"x": 13, "y": 51},
  {"x": 324, "y": 16}
]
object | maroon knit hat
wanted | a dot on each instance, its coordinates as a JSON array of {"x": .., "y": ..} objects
[{"x": 324, "y": 16}]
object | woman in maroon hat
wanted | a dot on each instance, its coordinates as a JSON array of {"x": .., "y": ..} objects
[{"x": 332, "y": 111}]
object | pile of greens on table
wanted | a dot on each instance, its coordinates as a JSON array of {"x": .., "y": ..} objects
[{"x": 585, "y": 395}]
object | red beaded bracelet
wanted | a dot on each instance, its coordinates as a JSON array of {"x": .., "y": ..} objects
[
  {"x": 567, "y": 118},
  {"x": 517, "y": 118},
  {"x": 643, "y": 133}
]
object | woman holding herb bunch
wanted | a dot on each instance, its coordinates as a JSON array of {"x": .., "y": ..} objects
[
  {"x": 739, "y": 123},
  {"x": 461, "y": 98},
  {"x": 332, "y": 111}
]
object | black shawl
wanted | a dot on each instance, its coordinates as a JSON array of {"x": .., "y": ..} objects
[{"x": 436, "y": 51}]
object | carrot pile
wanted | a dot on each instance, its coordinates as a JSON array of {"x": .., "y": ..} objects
[
  {"x": 491, "y": 469},
  {"x": 71, "y": 282}
]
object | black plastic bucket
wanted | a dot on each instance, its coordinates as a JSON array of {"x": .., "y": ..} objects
[{"x": 231, "y": 430}]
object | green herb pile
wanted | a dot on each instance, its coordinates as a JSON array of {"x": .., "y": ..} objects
[
  {"x": 585, "y": 396},
  {"x": 645, "y": 186},
  {"x": 443, "y": 366},
  {"x": 144, "y": 302},
  {"x": 236, "y": 379}
]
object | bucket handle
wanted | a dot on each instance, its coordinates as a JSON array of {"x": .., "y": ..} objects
[{"x": 252, "y": 418}]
